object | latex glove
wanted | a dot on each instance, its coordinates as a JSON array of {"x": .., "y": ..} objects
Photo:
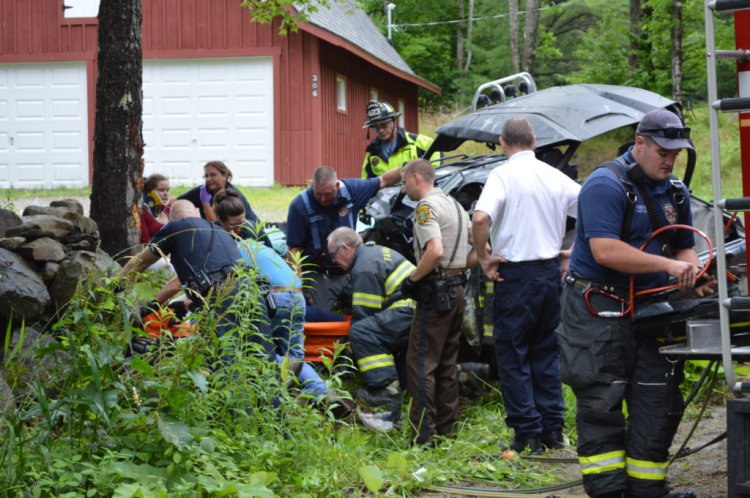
[{"x": 205, "y": 195}]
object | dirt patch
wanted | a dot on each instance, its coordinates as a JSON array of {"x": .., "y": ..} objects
[{"x": 705, "y": 472}]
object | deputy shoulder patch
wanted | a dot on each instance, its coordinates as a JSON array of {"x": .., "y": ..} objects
[{"x": 423, "y": 214}]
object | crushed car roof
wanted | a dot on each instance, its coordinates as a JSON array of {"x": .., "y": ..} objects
[{"x": 558, "y": 114}]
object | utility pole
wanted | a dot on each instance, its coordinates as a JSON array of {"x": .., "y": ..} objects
[{"x": 389, "y": 17}]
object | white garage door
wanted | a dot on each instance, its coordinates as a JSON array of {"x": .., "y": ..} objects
[
  {"x": 43, "y": 125},
  {"x": 199, "y": 110}
]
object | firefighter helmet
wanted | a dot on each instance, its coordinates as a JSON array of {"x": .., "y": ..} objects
[{"x": 379, "y": 111}]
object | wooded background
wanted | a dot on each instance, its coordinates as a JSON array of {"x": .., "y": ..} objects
[{"x": 654, "y": 44}]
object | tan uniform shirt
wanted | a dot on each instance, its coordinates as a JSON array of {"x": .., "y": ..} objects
[{"x": 437, "y": 217}]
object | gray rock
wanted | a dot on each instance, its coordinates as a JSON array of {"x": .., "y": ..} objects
[
  {"x": 12, "y": 243},
  {"x": 8, "y": 219},
  {"x": 42, "y": 225},
  {"x": 28, "y": 367},
  {"x": 43, "y": 250},
  {"x": 84, "y": 224},
  {"x": 49, "y": 272},
  {"x": 7, "y": 400},
  {"x": 52, "y": 211},
  {"x": 76, "y": 265},
  {"x": 22, "y": 291},
  {"x": 69, "y": 204}
]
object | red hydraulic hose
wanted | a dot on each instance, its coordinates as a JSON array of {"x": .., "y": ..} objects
[{"x": 657, "y": 232}]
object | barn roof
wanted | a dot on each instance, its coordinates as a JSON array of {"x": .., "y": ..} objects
[{"x": 345, "y": 24}]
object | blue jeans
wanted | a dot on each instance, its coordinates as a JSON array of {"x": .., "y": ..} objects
[{"x": 288, "y": 332}]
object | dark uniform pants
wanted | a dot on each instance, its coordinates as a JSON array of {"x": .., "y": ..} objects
[
  {"x": 375, "y": 339},
  {"x": 526, "y": 313},
  {"x": 431, "y": 367},
  {"x": 605, "y": 363}
]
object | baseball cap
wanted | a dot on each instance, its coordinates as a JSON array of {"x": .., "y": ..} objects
[{"x": 665, "y": 128}]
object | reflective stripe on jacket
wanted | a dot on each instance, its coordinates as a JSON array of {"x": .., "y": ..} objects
[
  {"x": 376, "y": 275},
  {"x": 408, "y": 146}
]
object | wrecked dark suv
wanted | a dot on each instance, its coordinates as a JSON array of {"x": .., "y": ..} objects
[{"x": 563, "y": 118}]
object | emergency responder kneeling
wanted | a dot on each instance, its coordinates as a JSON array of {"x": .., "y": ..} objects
[
  {"x": 605, "y": 357},
  {"x": 381, "y": 316}
]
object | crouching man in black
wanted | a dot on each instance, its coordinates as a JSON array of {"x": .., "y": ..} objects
[{"x": 204, "y": 256}]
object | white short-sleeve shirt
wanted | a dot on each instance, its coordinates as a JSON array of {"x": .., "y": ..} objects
[{"x": 529, "y": 202}]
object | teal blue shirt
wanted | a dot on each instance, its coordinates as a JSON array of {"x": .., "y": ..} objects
[{"x": 269, "y": 264}]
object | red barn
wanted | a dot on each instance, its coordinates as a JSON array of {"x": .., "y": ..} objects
[{"x": 215, "y": 86}]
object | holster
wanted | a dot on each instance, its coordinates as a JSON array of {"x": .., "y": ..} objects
[{"x": 442, "y": 291}]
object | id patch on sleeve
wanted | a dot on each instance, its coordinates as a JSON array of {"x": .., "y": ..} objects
[{"x": 423, "y": 214}]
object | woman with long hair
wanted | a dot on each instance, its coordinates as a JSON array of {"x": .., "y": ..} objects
[{"x": 156, "y": 205}]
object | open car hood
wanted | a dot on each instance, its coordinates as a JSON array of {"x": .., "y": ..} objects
[{"x": 558, "y": 114}]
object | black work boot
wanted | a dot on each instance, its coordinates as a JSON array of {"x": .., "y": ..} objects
[
  {"x": 387, "y": 396},
  {"x": 553, "y": 439},
  {"x": 471, "y": 378},
  {"x": 522, "y": 442}
]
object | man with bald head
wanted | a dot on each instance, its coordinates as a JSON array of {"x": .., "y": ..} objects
[{"x": 204, "y": 256}]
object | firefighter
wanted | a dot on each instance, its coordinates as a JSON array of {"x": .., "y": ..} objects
[
  {"x": 393, "y": 146},
  {"x": 608, "y": 360},
  {"x": 381, "y": 316}
]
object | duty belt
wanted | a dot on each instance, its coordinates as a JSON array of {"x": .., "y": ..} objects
[
  {"x": 585, "y": 284},
  {"x": 447, "y": 274},
  {"x": 535, "y": 262},
  {"x": 588, "y": 287},
  {"x": 218, "y": 277},
  {"x": 459, "y": 279}
]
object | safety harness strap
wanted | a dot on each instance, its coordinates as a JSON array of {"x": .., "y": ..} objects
[{"x": 316, "y": 219}]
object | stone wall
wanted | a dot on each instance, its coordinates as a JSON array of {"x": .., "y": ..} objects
[{"x": 43, "y": 255}]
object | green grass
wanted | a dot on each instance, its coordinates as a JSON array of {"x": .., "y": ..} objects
[{"x": 269, "y": 203}]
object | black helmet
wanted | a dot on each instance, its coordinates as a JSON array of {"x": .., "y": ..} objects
[{"x": 379, "y": 111}]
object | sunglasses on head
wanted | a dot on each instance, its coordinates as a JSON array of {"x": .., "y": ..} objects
[{"x": 667, "y": 132}]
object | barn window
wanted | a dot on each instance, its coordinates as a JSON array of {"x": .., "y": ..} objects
[
  {"x": 340, "y": 93},
  {"x": 80, "y": 8},
  {"x": 374, "y": 94},
  {"x": 402, "y": 110}
]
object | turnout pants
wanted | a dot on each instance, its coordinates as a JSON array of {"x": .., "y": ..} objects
[
  {"x": 526, "y": 313},
  {"x": 431, "y": 367},
  {"x": 374, "y": 340},
  {"x": 606, "y": 363}
]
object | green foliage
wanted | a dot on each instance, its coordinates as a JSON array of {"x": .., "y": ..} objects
[
  {"x": 287, "y": 12},
  {"x": 180, "y": 421}
]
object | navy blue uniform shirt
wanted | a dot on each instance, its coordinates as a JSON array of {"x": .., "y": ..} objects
[
  {"x": 602, "y": 205},
  {"x": 298, "y": 221},
  {"x": 196, "y": 243}
]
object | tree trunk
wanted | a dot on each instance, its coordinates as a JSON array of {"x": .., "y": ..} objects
[
  {"x": 634, "y": 58},
  {"x": 515, "y": 57},
  {"x": 530, "y": 34},
  {"x": 118, "y": 139},
  {"x": 677, "y": 55},
  {"x": 460, "y": 36}
]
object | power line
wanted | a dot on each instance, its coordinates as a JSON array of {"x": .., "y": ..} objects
[{"x": 497, "y": 16}]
